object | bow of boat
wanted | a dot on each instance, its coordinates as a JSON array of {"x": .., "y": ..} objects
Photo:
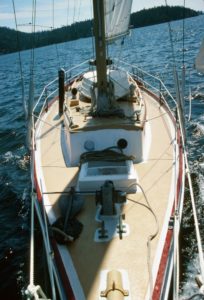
[{"x": 117, "y": 182}]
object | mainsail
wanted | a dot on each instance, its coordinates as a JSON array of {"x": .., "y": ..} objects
[
  {"x": 199, "y": 63},
  {"x": 117, "y": 18}
]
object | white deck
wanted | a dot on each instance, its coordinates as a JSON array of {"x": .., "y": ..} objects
[{"x": 157, "y": 178}]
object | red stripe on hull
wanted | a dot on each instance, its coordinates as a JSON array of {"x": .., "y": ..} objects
[
  {"x": 64, "y": 278},
  {"x": 162, "y": 267},
  {"x": 163, "y": 263},
  {"x": 38, "y": 191}
]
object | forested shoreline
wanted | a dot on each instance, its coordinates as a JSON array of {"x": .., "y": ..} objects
[{"x": 12, "y": 40}]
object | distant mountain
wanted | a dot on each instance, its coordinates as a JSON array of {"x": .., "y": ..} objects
[
  {"x": 161, "y": 14},
  {"x": 12, "y": 40}
]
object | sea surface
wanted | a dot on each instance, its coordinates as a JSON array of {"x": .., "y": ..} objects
[{"x": 148, "y": 47}]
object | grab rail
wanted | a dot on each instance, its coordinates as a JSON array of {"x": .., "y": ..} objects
[
  {"x": 55, "y": 83},
  {"x": 140, "y": 72},
  {"x": 51, "y": 89}
]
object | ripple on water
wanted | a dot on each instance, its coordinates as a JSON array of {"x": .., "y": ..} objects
[{"x": 154, "y": 55}]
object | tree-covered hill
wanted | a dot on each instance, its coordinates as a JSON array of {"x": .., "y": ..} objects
[
  {"x": 12, "y": 40},
  {"x": 161, "y": 14}
]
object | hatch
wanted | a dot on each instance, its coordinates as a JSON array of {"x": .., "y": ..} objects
[{"x": 93, "y": 175}]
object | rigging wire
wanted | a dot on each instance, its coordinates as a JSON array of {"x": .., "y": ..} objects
[
  {"x": 30, "y": 107},
  {"x": 184, "y": 5},
  {"x": 79, "y": 10},
  {"x": 179, "y": 92},
  {"x": 181, "y": 117},
  {"x": 53, "y": 26},
  {"x": 53, "y": 14},
  {"x": 67, "y": 12},
  {"x": 92, "y": 34},
  {"x": 72, "y": 25},
  {"x": 196, "y": 223},
  {"x": 20, "y": 64},
  {"x": 190, "y": 103},
  {"x": 92, "y": 41},
  {"x": 171, "y": 39},
  {"x": 180, "y": 108},
  {"x": 183, "y": 66},
  {"x": 32, "y": 290},
  {"x": 50, "y": 256},
  {"x": 67, "y": 56},
  {"x": 74, "y": 13},
  {"x": 74, "y": 20},
  {"x": 31, "y": 83}
]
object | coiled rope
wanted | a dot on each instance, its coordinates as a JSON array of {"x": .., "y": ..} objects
[{"x": 104, "y": 155}]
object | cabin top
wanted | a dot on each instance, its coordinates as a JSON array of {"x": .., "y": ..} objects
[{"x": 78, "y": 108}]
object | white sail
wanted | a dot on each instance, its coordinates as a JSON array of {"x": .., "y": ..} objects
[
  {"x": 199, "y": 63},
  {"x": 117, "y": 18}
]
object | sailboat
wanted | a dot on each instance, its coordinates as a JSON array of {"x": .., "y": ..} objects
[{"x": 108, "y": 176}]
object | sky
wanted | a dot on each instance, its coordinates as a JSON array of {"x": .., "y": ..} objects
[{"x": 67, "y": 11}]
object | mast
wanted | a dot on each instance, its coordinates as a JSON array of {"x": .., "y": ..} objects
[{"x": 102, "y": 99}]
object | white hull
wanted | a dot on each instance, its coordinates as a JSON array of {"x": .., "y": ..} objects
[{"x": 158, "y": 169}]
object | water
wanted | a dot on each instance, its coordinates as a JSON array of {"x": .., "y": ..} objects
[{"x": 147, "y": 47}]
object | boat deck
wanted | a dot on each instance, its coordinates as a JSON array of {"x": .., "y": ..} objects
[
  {"x": 80, "y": 120},
  {"x": 155, "y": 175}
]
